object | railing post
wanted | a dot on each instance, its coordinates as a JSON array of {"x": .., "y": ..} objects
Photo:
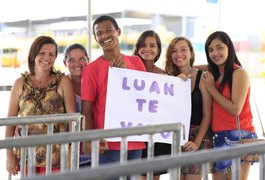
[
  {"x": 262, "y": 166},
  {"x": 31, "y": 161},
  {"x": 30, "y": 152},
  {"x": 235, "y": 168},
  {"x": 24, "y": 132},
  {"x": 64, "y": 158},
  {"x": 95, "y": 153},
  {"x": 49, "y": 151},
  {"x": 204, "y": 171},
  {"x": 123, "y": 153},
  {"x": 150, "y": 154},
  {"x": 176, "y": 149},
  {"x": 75, "y": 146}
]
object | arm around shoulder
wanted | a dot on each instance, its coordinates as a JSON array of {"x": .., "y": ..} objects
[{"x": 203, "y": 67}]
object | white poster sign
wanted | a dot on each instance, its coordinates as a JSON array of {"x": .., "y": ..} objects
[{"x": 136, "y": 98}]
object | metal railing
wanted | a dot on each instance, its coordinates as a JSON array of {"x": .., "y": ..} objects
[
  {"x": 136, "y": 167},
  {"x": 5, "y": 88},
  {"x": 101, "y": 134},
  {"x": 76, "y": 118},
  {"x": 95, "y": 136}
]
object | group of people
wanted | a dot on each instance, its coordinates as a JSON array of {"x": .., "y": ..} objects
[{"x": 220, "y": 92}]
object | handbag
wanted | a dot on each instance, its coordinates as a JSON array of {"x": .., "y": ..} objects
[{"x": 250, "y": 157}]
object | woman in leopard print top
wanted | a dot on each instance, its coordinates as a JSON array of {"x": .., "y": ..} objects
[{"x": 42, "y": 90}]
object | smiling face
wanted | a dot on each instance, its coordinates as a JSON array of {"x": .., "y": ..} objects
[
  {"x": 218, "y": 52},
  {"x": 181, "y": 54},
  {"x": 45, "y": 57},
  {"x": 149, "y": 50},
  {"x": 106, "y": 35},
  {"x": 75, "y": 62}
]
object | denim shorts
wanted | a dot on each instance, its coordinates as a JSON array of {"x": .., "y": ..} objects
[{"x": 226, "y": 139}]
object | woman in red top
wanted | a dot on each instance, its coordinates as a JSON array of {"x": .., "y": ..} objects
[{"x": 229, "y": 85}]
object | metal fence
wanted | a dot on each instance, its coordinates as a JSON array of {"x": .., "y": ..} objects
[
  {"x": 5, "y": 88},
  {"x": 137, "y": 167},
  {"x": 133, "y": 168},
  {"x": 92, "y": 135},
  {"x": 76, "y": 118}
]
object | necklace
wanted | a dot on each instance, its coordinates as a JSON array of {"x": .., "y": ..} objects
[
  {"x": 221, "y": 71},
  {"x": 188, "y": 72}
]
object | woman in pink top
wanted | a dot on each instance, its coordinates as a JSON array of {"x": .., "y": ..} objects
[{"x": 229, "y": 85}]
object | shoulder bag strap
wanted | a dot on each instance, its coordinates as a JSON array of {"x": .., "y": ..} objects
[{"x": 238, "y": 129}]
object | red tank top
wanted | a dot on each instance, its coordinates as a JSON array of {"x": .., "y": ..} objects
[{"x": 223, "y": 120}]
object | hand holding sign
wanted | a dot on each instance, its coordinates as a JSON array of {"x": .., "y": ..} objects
[{"x": 136, "y": 98}]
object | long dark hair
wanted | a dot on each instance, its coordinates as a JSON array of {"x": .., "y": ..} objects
[
  {"x": 140, "y": 42},
  {"x": 231, "y": 58}
]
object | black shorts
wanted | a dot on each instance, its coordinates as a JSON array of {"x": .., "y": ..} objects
[{"x": 159, "y": 150}]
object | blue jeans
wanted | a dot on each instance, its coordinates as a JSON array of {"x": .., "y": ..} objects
[
  {"x": 225, "y": 139},
  {"x": 113, "y": 156}
]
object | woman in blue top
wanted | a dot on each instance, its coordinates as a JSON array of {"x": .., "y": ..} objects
[{"x": 75, "y": 58}]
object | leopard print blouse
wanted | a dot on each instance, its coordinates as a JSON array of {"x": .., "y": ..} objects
[{"x": 42, "y": 101}]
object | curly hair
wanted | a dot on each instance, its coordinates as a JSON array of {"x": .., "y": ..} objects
[{"x": 170, "y": 67}]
